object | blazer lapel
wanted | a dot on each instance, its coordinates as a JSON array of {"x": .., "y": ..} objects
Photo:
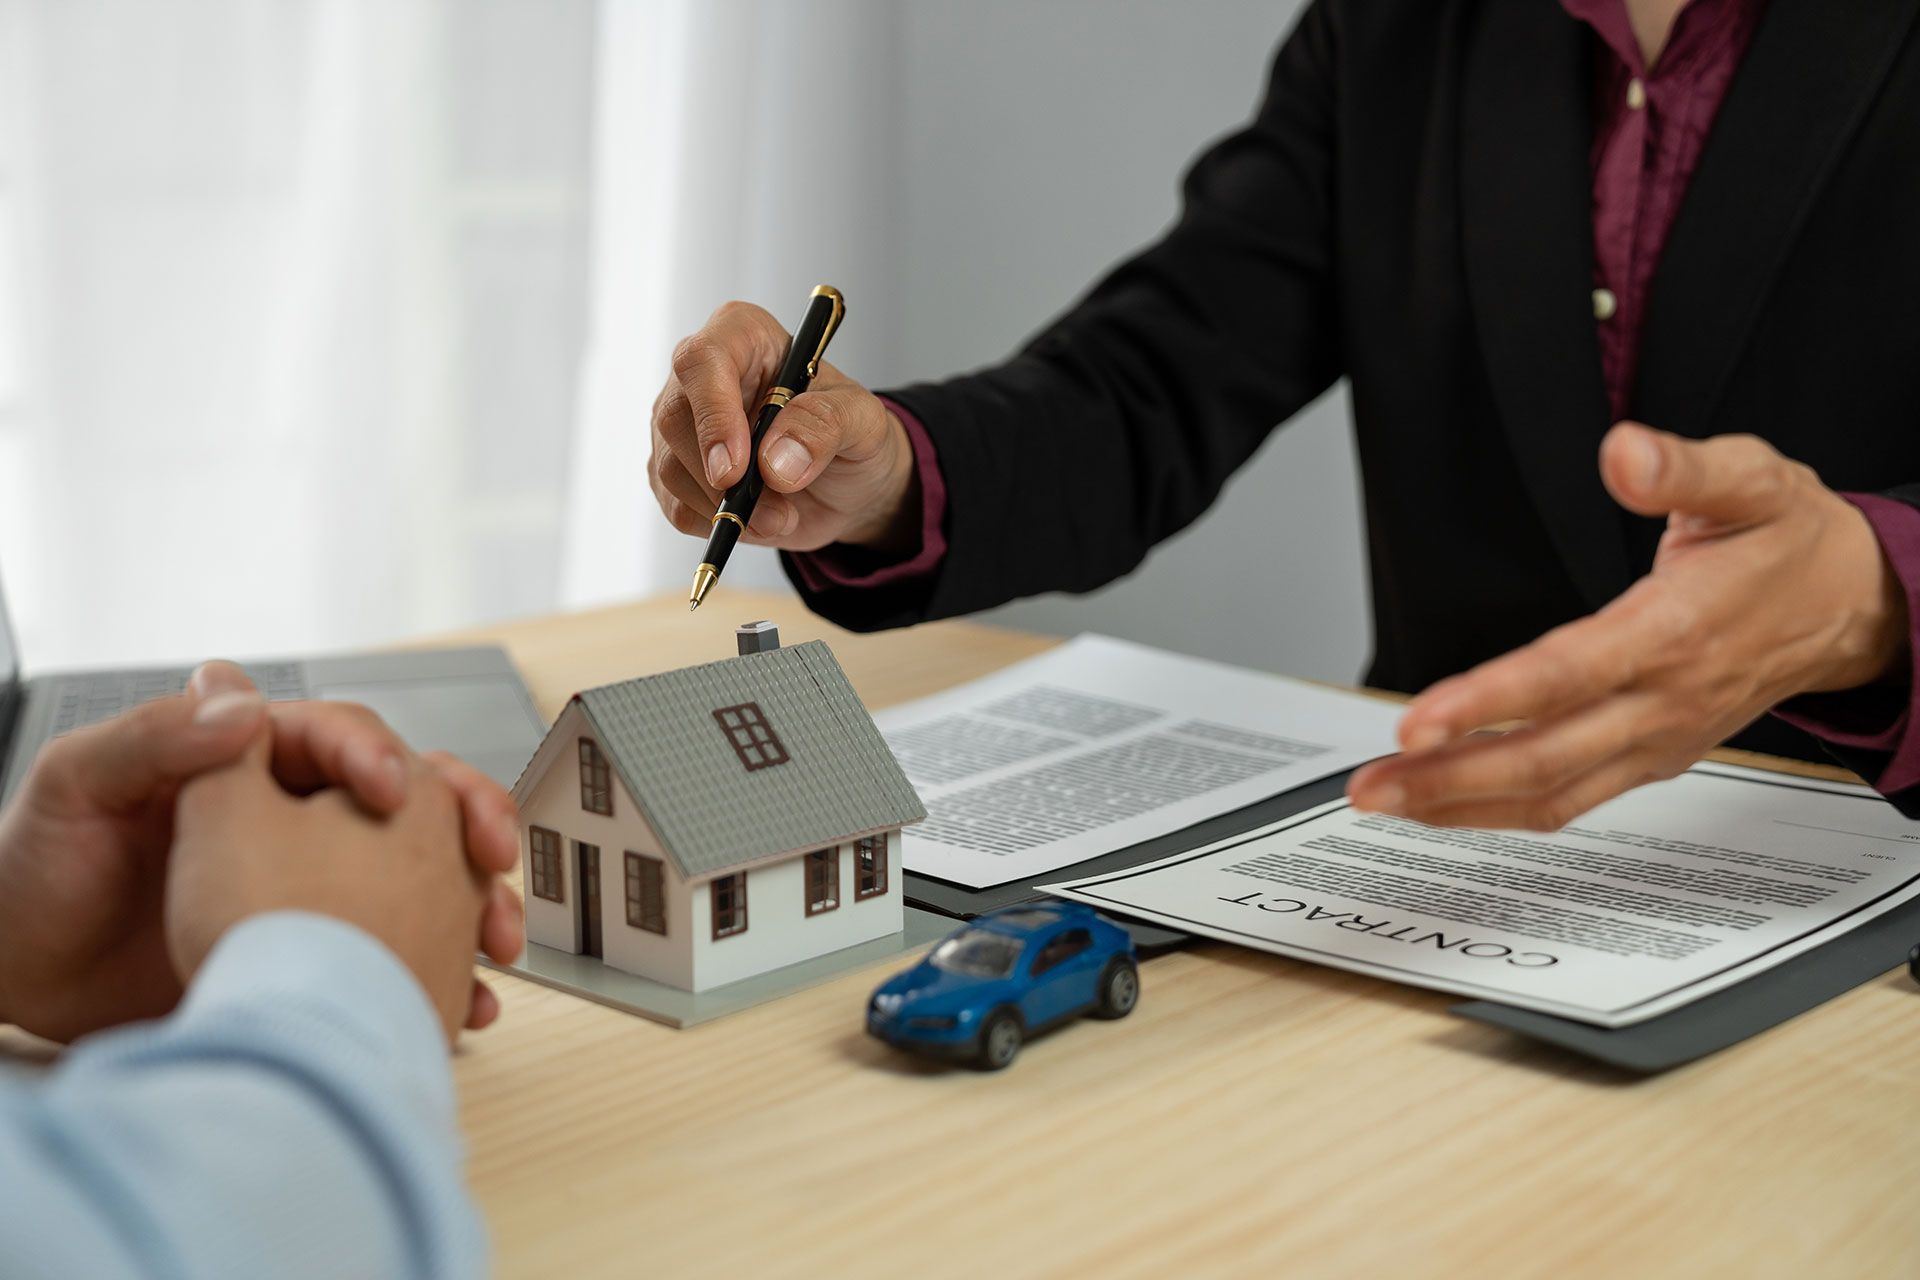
[
  {"x": 1811, "y": 74},
  {"x": 1527, "y": 233}
]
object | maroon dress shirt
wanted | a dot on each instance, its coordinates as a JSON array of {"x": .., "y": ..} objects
[{"x": 1650, "y": 126}]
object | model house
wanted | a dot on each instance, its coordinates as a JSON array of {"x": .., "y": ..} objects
[{"x": 714, "y": 823}]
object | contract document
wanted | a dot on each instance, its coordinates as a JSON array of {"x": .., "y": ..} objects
[
  {"x": 1653, "y": 900},
  {"x": 1100, "y": 744}
]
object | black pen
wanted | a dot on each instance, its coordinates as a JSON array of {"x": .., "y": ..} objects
[{"x": 825, "y": 310}]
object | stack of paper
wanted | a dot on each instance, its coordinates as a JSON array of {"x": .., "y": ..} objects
[
  {"x": 1657, "y": 898},
  {"x": 1101, "y": 744}
]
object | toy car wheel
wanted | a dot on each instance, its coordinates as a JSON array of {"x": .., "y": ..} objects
[
  {"x": 1000, "y": 1040},
  {"x": 1119, "y": 989}
]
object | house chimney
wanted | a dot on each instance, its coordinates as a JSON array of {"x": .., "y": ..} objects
[{"x": 757, "y": 637}]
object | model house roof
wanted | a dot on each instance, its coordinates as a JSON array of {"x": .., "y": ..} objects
[{"x": 743, "y": 759}]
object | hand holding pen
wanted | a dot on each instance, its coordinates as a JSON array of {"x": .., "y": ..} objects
[
  {"x": 805, "y": 354},
  {"x": 836, "y": 465}
]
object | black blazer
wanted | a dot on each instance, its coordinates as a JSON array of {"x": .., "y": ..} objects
[{"x": 1410, "y": 208}]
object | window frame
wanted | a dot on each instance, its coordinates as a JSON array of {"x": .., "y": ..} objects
[
  {"x": 877, "y": 846},
  {"x": 828, "y": 858},
  {"x": 1050, "y": 957},
  {"x": 596, "y": 777},
  {"x": 644, "y": 871},
  {"x": 751, "y": 735},
  {"x": 544, "y": 865},
  {"x": 740, "y": 892}
]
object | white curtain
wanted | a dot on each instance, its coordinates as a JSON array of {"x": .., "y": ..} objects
[
  {"x": 741, "y": 152},
  {"x": 324, "y": 322},
  {"x": 291, "y": 306}
]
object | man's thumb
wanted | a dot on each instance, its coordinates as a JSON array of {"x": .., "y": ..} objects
[
  {"x": 1727, "y": 479},
  {"x": 125, "y": 762},
  {"x": 218, "y": 787}
]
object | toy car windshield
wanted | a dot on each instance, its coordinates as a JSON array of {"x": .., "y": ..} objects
[{"x": 975, "y": 953}]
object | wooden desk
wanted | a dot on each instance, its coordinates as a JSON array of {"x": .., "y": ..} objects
[{"x": 1256, "y": 1116}]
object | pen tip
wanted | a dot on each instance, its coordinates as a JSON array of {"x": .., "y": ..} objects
[{"x": 703, "y": 579}]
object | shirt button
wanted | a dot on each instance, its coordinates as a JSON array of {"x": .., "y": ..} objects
[
  {"x": 1604, "y": 304},
  {"x": 1636, "y": 94}
]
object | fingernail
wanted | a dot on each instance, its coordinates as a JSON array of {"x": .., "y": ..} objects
[
  {"x": 210, "y": 678},
  {"x": 1425, "y": 738},
  {"x": 507, "y": 831},
  {"x": 789, "y": 459},
  {"x": 717, "y": 463},
  {"x": 225, "y": 709},
  {"x": 395, "y": 770},
  {"x": 1643, "y": 461},
  {"x": 775, "y": 517},
  {"x": 1388, "y": 798}
]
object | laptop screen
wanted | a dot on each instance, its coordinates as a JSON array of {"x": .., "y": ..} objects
[{"x": 9, "y": 680}]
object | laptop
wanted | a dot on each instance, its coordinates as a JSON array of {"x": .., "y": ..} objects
[{"x": 468, "y": 701}]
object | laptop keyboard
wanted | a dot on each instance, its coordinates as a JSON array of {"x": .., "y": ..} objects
[{"x": 83, "y": 700}]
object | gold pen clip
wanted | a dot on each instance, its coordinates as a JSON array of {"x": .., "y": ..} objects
[{"x": 833, "y": 322}]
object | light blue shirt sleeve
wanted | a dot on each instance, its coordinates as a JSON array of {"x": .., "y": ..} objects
[{"x": 293, "y": 1118}]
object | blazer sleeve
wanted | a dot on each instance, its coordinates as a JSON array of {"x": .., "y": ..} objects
[
  {"x": 1872, "y": 731},
  {"x": 1117, "y": 425}
]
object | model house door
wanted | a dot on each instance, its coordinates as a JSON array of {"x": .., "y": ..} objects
[{"x": 586, "y": 863}]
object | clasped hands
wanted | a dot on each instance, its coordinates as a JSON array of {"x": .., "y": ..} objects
[
  {"x": 135, "y": 844},
  {"x": 1766, "y": 585}
]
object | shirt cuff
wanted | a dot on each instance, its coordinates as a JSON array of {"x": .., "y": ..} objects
[
  {"x": 840, "y": 566},
  {"x": 1878, "y": 717},
  {"x": 294, "y": 975}
]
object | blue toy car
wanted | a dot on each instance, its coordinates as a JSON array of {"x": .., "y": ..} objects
[{"x": 1012, "y": 972}]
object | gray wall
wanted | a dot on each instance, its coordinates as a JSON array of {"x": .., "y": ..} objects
[{"x": 1038, "y": 141}]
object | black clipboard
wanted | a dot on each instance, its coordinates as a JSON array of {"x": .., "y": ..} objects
[{"x": 1703, "y": 1027}]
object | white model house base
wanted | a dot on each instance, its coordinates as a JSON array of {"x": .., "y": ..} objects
[{"x": 701, "y": 827}]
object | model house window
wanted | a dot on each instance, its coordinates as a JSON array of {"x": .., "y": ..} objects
[
  {"x": 869, "y": 867},
  {"x": 752, "y": 738},
  {"x": 546, "y": 864},
  {"x": 730, "y": 905},
  {"x": 646, "y": 893},
  {"x": 596, "y": 779},
  {"x": 823, "y": 880}
]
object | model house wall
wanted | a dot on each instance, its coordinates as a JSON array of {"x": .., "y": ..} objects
[
  {"x": 779, "y": 931},
  {"x": 555, "y": 806}
]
